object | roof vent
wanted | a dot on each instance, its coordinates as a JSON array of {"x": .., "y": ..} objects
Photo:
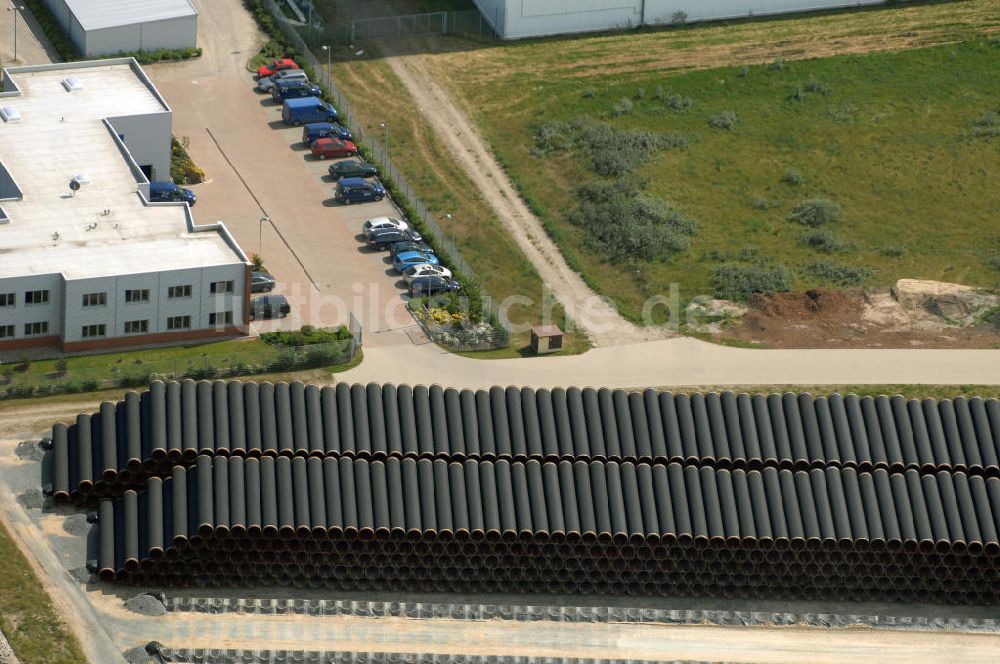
[
  {"x": 72, "y": 83},
  {"x": 9, "y": 114}
]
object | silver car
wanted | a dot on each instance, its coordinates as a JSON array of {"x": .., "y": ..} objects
[{"x": 266, "y": 84}]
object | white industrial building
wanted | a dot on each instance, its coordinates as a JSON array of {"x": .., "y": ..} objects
[
  {"x": 108, "y": 27},
  {"x": 518, "y": 19},
  {"x": 94, "y": 264}
]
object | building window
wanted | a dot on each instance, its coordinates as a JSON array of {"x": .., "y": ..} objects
[
  {"x": 179, "y": 291},
  {"x": 7, "y": 300},
  {"x": 136, "y": 326},
  {"x": 220, "y": 318},
  {"x": 95, "y": 299},
  {"x": 137, "y": 295},
  {"x": 6, "y": 331},
  {"x": 91, "y": 331},
  {"x": 179, "y": 322},
  {"x": 34, "y": 329},
  {"x": 220, "y": 287},
  {"x": 36, "y": 297}
]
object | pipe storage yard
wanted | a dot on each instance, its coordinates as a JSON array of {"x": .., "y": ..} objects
[
  {"x": 572, "y": 491},
  {"x": 147, "y": 434}
]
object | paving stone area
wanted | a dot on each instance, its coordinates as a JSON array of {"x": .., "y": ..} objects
[
  {"x": 525, "y": 613},
  {"x": 214, "y": 656}
]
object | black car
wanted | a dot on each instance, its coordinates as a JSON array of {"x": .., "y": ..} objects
[
  {"x": 383, "y": 239},
  {"x": 261, "y": 282},
  {"x": 269, "y": 306},
  {"x": 352, "y": 169},
  {"x": 426, "y": 286},
  {"x": 402, "y": 247}
]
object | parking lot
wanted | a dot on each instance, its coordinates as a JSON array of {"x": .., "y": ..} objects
[{"x": 258, "y": 169}]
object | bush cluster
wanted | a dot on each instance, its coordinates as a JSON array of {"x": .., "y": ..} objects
[
  {"x": 183, "y": 170},
  {"x": 988, "y": 125},
  {"x": 838, "y": 274},
  {"x": 793, "y": 177},
  {"x": 627, "y": 224},
  {"x": 306, "y": 336},
  {"x": 623, "y": 106},
  {"x": 735, "y": 281},
  {"x": 725, "y": 120},
  {"x": 610, "y": 152},
  {"x": 823, "y": 240},
  {"x": 815, "y": 212}
]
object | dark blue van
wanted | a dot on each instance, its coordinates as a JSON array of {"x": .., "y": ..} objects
[
  {"x": 168, "y": 192},
  {"x": 294, "y": 89},
  {"x": 314, "y": 130},
  {"x": 306, "y": 110}
]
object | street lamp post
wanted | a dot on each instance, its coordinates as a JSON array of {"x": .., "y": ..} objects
[
  {"x": 451, "y": 218},
  {"x": 260, "y": 234},
  {"x": 329, "y": 53},
  {"x": 16, "y": 9},
  {"x": 385, "y": 125}
]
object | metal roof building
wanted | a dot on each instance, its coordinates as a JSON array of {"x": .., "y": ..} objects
[
  {"x": 107, "y": 27},
  {"x": 519, "y": 19}
]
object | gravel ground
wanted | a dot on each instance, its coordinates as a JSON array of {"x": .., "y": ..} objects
[{"x": 7, "y": 655}]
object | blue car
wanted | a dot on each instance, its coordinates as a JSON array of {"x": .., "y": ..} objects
[
  {"x": 358, "y": 190},
  {"x": 407, "y": 259},
  {"x": 295, "y": 90},
  {"x": 168, "y": 192},
  {"x": 316, "y": 130}
]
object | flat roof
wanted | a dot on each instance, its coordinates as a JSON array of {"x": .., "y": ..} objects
[
  {"x": 98, "y": 14},
  {"x": 106, "y": 228}
]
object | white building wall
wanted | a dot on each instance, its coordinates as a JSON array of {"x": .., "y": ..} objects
[
  {"x": 662, "y": 11},
  {"x": 181, "y": 32},
  {"x": 147, "y": 138},
  {"x": 22, "y": 313},
  {"x": 111, "y": 41},
  {"x": 518, "y": 19}
]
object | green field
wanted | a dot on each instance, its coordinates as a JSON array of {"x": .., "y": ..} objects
[
  {"x": 27, "y": 616},
  {"x": 900, "y": 140}
]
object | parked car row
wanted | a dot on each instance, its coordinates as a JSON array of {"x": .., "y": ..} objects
[{"x": 325, "y": 137}]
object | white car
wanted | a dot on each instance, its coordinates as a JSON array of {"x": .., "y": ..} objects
[
  {"x": 382, "y": 223},
  {"x": 265, "y": 84},
  {"x": 425, "y": 270}
]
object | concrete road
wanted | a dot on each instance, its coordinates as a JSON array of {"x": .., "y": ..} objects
[
  {"x": 33, "y": 48},
  {"x": 683, "y": 361},
  {"x": 257, "y": 168}
]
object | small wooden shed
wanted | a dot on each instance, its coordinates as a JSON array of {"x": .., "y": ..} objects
[{"x": 546, "y": 339}]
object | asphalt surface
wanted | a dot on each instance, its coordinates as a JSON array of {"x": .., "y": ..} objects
[{"x": 258, "y": 168}]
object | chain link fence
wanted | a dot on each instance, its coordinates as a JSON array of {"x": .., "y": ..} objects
[
  {"x": 444, "y": 238},
  {"x": 468, "y": 23}
]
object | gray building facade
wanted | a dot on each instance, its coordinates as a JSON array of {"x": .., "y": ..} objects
[{"x": 109, "y": 27}]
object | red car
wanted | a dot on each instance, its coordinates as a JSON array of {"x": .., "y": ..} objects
[
  {"x": 278, "y": 65},
  {"x": 333, "y": 147}
]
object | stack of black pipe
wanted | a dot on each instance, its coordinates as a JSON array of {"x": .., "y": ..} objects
[
  {"x": 148, "y": 434},
  {"x": 377, "y": 487}
]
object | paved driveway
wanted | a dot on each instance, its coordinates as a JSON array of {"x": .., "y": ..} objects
[{"x": 258, "y": 168}]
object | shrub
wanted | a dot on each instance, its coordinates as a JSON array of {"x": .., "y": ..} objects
[
  {"x": 679, "y": 18},
  {"x": 814, "y": 86},
  {"x": 815, "y": 212},
  {"x": 306, "y": 336},
  {"x": 258, "y": 262},
  {"x": 743, "y": 72},
  {"x": 737, "y": 282},
  {"x": 764, "y": 203},
  {"x": 893, "y": 251},
  {"x": 793, "y": 177},
  {"x": 797, "y": 94},
  {"x": 823, "y": 240},
  {"x": 61, "y": 367},
  {"x": 23, "y": 364},
  {"x": 640, "y": 93},
  {"x": 589, "y": 93},
  {"x": 777, "y": 65},
  {"x": 52, "y": 29},
  {"x": 725, "y": 120},
  {"x": 838, "y": 274},
  {"x": 987, "y": 126},
  {"x": 623, "y": 106},
  {"x": 676, "y": 102},
  {"x": 626, "y": 224},
  {"x": 183, "y": 170},
  {"x": 610, "y": 152}
]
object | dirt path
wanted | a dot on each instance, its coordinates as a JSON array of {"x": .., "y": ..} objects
[{"x": 590, "y": 312}]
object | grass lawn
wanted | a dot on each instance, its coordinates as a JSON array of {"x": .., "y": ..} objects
[
  {"x": 27, "y": 616},
  {"x": 377, "y": 96},
  {"x": 886, "y": 135},
  {"x": 86, "y": 372}
]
